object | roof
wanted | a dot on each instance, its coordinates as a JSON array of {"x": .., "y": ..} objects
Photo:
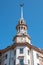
[{"x": 21, "y": 44}]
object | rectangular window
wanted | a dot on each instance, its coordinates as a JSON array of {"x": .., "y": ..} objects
[
  {"x": 28, "y": 62},
  {"x": 14, "y": 52},
  {"x": 6, "y": 56},
  {"x": 0, "y": 62},
  {"x": 5, "y": 64},
  {"x": 21, "y": 50},
  {"x": 0, "y": 54},
  {"x": 21, "y": 62},
  {"x": 28, "y": 52},
  {"x": 14, "y": 62},
  {"x": 37, "y": 55},
  {"x": 38, "y": 64}
]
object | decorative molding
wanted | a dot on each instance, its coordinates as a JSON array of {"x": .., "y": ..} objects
[{"x": 22, "y": 44}]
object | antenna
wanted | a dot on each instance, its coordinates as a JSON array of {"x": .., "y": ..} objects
[{"x": 21, "y": 5}]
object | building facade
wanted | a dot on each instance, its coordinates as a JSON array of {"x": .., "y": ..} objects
[{"x": 22, "y": 52}]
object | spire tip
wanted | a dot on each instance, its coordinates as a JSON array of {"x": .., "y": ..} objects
[{"x": 21, "y": 5}]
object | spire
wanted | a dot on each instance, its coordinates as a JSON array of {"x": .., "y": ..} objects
[{"x": 21, "y": 5}]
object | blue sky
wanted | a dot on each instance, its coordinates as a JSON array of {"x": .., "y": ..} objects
[{"x": 10, "y": 15}]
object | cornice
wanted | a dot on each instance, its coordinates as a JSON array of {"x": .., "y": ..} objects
[
  {"x": 21, "y": 44},
  {"x": 21, "y": 36}
]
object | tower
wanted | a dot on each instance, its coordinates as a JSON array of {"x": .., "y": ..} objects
[
  {"x": 22, "y": 28},
  {"x": 21, "y": 40}
]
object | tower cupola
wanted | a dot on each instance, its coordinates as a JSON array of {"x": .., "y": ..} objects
[
  {"x": 21, "y": 27},
  {"x": 21, "y": 36}
]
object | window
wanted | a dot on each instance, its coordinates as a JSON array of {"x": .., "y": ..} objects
[
  {"x": 0, "y": 54},
  {"x": 5, "y": 64},
  {"x": 38, "y": 64},
  {"x": 21, "y": 28},
  {"x": 28, "y": 62},
  {"x": 6, "y": 56},
  {"x": 24, "y": 28},
  {"x": 28, "y": 52},
  {"x": 0, "y": 62},
  {"x": 21, "y": 21},
  {"x": 21, "y": 50},
  {"x": 14, "y": 62},
  {"x": 37, "y": 56},
  {"x": 14, "y": 52},
  {"x": 21, "y": 62}
]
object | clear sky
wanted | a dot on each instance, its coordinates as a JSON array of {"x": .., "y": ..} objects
[{"x": 10, "y": 14}]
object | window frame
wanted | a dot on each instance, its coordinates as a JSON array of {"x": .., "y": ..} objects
[
  {"x": 28, "y": 52},
  {"x": 21, "y": 50},
  {"x": 38, "y": 64},
  {"x": 14, "y": 52},
  {"x": 37, "y": 55},
  {"x": 21, "y": 60},
  {"x": 6, "y": 55},
  {"x": 14, "y": 62}
]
